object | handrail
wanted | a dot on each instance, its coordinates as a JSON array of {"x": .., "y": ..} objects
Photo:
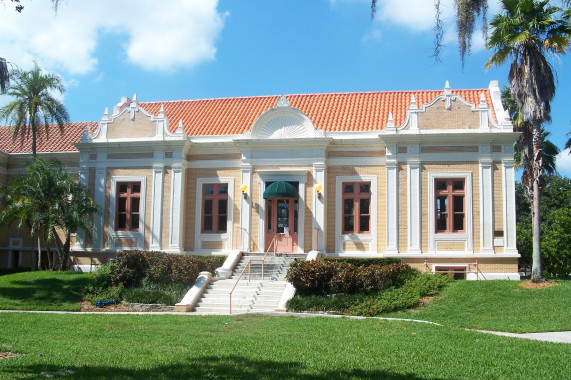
[{"x": 249, "y": 266}]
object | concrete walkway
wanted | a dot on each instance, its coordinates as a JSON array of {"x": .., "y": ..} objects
[{"x": 554, "y": 336}]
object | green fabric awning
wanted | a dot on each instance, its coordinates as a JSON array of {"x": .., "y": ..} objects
[{"x": 281, "y": 189}]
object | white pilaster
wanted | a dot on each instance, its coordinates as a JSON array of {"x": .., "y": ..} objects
[
  {"x": 414, "y": 200},
  {"x": 392, "y": 199},
  {"x": 486, "y": 207},
  {"x": 176, "y": 219},
  {"x": 246, "y": 209},
  {"x": 99, "y": 198},
  {"x": 84, "y": 180},
  {"x": 319, "y": 221},
  {"x": 509, "y": 212},
  {"x": 157, "y": 203}
]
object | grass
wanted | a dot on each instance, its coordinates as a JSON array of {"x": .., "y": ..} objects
[
  {"x": 41, "y": 290},
  {"x": 163, "y": 346},
  {"x": 498, "y": 305}
]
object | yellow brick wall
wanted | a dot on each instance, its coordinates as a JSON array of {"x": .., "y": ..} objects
[
  {"x": 460, "y": 116},
  {"x": 450, "y": 246},
  {"x": 190, "y": 212},
  {"x": 217, "y": 245},
  {"x": 355, "y": 246},
  {"x": 125, "y": 243},
  {"x": 488, "y": 265},
  {"x": 498, "y": 196},
  {"x": 350, "y": 153},
  {"x": 472, "y": 167},
  {"x": 124, "y": 127}
]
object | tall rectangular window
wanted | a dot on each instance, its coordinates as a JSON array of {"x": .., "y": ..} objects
[
  {"x": 356, "y": 207},
  {"x": 214, "y": 208},
  {"x": 450, "y": 195},
  {"x": 128, "y": 206}
]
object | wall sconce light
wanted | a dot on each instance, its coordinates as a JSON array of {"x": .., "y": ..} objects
[
  {"x": 318, "y": 188},
  {"x": 243, "y": 189}
]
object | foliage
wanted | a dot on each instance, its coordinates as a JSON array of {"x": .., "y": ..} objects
[
  {"x": 47, "y": 198},
  {"x": 333, "y": 304},
  {"x": 161, "y": 268},
  {"x": 94, "y": 294},
  {"x": 557, "y": 243},
  {"x": 331, "y": 277},
  {"x": 33, "y": 104},
  {"x": 140, "y": 295},
  {"x": 407, "y": 296},
  {"x": 364, "y": 262}
]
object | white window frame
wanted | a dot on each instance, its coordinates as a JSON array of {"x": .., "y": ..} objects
[
  {"x": 340, "y": 237},
  {"x": 466, "y": 237},
  {"x": 138, "y": 235},
  {"x": 225, "y": 237}
]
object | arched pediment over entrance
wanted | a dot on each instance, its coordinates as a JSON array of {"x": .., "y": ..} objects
[{"x": 283, "y": 122}]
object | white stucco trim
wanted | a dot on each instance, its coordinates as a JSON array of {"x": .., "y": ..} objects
[
  {"x": 138, "y": 235},
  {"x": 294, "y": 175},
  {"x": 434, "y": 237},
  {"x": 509, "y": 207},
  {"x": 486, "y": 206},
  {"x": 226, "y": 237},
  {"x": 99, "y": 198},
  {"x": 177, "y": 206},
  {"x": 157, "y": 200},
  {"x": 341, "y": 238},
  {"x": 414, "y": 193}
]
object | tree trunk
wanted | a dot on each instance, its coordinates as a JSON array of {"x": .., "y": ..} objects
[
  {"x": 536, "y": 268},
  {"x": 47, "y": 251},
  {"x": 60, "y": 252},
  {"x": 66, "y": 248},
  {"x": 39, "y": 254},
  {"x": 34, "y": 261}
]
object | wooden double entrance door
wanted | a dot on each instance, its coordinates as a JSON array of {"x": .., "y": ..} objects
[{"x": 282, "y": 223}]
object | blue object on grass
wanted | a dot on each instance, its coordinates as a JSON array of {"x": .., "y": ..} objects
[{"x": 103, "y": 303}]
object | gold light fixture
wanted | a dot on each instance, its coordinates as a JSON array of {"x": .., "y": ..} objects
[
  {"x": 244, "y": 189},
  {"x": 317, "y": 189}
]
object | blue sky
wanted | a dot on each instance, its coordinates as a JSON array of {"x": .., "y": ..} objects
[{"x": 194, "y": 49}]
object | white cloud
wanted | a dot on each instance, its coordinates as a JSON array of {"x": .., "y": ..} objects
[
  {"x": 563, "y": 163},
  {"x": 417, "y": 15},
  {"x": 157, "y": 35}
]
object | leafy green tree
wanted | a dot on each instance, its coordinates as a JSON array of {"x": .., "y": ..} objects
[
  {"x": 526, "y": 32},
  {"x": 557, "y": 242},
  {"x": 34, "y": 105},
  {"x": 46, "y": 198}
]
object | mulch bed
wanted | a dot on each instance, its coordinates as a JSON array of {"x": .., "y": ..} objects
[
  {"x": 538, "y": 285},
  {"x": 6, "y": 355},
  {"x": 87, "y": 306}
]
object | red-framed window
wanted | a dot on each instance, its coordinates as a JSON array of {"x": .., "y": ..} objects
[
  {"x": 356, "y": 207},
  {"x": 450, "y": 200},
  {"x": 128, "y": 196},
  {"x": 214, "y": 208}
]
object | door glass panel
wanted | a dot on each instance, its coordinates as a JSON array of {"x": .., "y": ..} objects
[
  {"x": 208, "y": 189},
  {"x": 458, "y": 203},
  {"x": 122, "y": 221},
  {"x": 440, "y": 185},
  {"x": 295, "y": 209},
  {"x": 365, "y": 188},
  {"x": 122, "y": 207},
  {"x": 458, "y": 222},
  {"x": 348, "y": 223},
  {"x": 136, "y": 188},
  {"x": 458, "y": 185},
  {"x": 441, "y": 214},
  {"x": 283, "y": 216},
  {"x": 348, "y": 188},
  {"x": 208, "y": 223},
  {"x": 223, "y": 189},
  {"x": 364, "y": 206},
  {"x": 134, "y": 222}
]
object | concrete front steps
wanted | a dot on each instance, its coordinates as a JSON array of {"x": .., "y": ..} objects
[{"x": 255, "y": 295}]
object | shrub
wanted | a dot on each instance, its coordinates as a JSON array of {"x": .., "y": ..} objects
[
  {"x": 333, "y": 304},
  {"x": 364, "y": 262},
  {"x": 94, "y": 293},
  {"x": 331, "y": 277},
  {"x": 140, "y": 295}
]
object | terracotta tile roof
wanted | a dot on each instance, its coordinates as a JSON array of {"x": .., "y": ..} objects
[
  {"x": 336, "y": 112},
  {"x": 52, "y": 142}
]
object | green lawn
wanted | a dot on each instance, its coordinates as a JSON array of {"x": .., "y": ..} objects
[
  {"x": 166, "y": 346},
  {"x": 41, "y": 290},
  {"x": 498, "y": 305}
]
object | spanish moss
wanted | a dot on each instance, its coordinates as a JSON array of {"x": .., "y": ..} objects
[{"x": 466, "y": 12}]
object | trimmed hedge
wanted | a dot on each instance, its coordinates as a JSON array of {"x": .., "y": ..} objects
[
  {"x": 364, "y": 262},
  {"x": 161, "y": 268},
  {"x": 333, "y": 277}
]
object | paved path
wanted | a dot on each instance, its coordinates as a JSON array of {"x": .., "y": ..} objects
[{"x": 554, "y": 336}]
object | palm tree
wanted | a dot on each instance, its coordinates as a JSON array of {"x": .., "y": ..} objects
[
  {"x": 4, "y": 75},
  {"x": 526, "y": 32},
  {"x": 46, "y": 198},
  {"x": 33, "y": 104}
]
